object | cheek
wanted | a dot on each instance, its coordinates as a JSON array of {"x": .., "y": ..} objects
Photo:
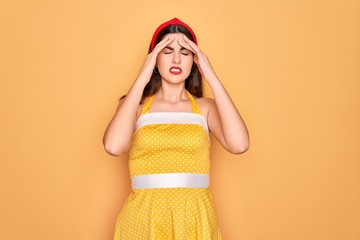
[
  {"x": 163, "y": 60},
  {"x": 162, "y": 65},
  {"x": 159, "y": 60},
  {"x": 189, "y": 62}
]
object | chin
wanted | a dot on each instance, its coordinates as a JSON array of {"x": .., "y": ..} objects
[{"x": 174, "y": 79}]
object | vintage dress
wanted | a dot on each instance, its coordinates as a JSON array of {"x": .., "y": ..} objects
[{"x": 169, "y": 142}]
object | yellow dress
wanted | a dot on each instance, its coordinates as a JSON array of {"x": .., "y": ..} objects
[{"x": 169, "y": 142}]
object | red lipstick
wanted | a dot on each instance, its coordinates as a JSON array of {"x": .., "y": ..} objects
[{"x": 175, "y": 70}]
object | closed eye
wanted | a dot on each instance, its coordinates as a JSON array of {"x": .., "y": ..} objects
[
  {"x": 185, "y": 51},
  {"x": 168, "y": 50}
]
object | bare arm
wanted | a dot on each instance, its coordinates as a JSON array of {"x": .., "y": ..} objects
[
  {"x": 224, "y": 119},
  {"x": 118, "y": 134},
  {"x": 225, "y": 122}
]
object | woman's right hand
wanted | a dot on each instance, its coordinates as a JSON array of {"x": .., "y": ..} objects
[
  {"x": 150, "y": 61},
  {"x": 118, "y": 134}
]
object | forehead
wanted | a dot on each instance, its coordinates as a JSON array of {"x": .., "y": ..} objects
[{"x": 176, "y": 36}]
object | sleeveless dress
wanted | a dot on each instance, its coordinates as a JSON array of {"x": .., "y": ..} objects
[{"x": 169, "y": 142}]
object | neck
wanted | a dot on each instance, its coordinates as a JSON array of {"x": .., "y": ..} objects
[{"x": 172, "y": 94}]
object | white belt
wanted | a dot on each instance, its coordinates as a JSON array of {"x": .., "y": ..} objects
[{"x": 171, "y": 180}]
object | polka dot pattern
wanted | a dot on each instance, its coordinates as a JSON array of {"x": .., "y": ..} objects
[
  {"x": 169, "y": 213},
  {"x": 168, "y": 148}
]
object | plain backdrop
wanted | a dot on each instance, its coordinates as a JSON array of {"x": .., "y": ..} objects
[{"x": 291, "y": 67}]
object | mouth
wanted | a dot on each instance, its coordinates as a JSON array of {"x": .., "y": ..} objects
[{"x": 175, "y": 70}]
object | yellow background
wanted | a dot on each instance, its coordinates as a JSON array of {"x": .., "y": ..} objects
[{"x": 291, "y": 67}]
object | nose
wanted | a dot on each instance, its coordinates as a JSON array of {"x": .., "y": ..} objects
[{"x": 176, "y": 58}]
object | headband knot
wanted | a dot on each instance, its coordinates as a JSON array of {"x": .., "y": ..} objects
[{"x": 173, "y": 21}]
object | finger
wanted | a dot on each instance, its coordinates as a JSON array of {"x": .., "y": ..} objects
[
  {"x": 185, "y": 45},
  {"x": 192, "y": 45},
  {"x": 163, "y": 43}
]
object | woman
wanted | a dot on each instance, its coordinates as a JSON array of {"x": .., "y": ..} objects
[{"x": 164, "y": 123}]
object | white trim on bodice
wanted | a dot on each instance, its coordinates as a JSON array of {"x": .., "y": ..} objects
[{"x": 171, "y": 118}]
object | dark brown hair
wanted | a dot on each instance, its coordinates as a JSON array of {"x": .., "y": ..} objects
[{"x": 193, "y": 82}]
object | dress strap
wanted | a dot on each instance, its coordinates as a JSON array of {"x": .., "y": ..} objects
[
  {"x": 147, "y": 104},
  {"x": 194, "y": 106}
]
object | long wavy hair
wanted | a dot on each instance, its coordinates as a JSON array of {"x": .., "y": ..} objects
[{"x": 193, "y": 83}]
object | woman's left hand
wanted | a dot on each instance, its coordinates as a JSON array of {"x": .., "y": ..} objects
[
  {"x": 223, "y": 118},
  {"x": 200, "y": 58}
]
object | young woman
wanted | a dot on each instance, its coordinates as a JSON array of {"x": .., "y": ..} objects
[{"x": 164, "y": 123}]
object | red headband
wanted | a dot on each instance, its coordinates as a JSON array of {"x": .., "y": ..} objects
[{"x": 174, "y": 21}]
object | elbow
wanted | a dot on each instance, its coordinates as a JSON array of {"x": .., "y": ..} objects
[
  {"x": 240, "y": 148},
  {"x": 114, "y": 150}
]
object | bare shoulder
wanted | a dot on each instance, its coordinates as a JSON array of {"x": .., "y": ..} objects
[
  {"x": 205, "y": 101},
  {"x": 205, "y": 104}
]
